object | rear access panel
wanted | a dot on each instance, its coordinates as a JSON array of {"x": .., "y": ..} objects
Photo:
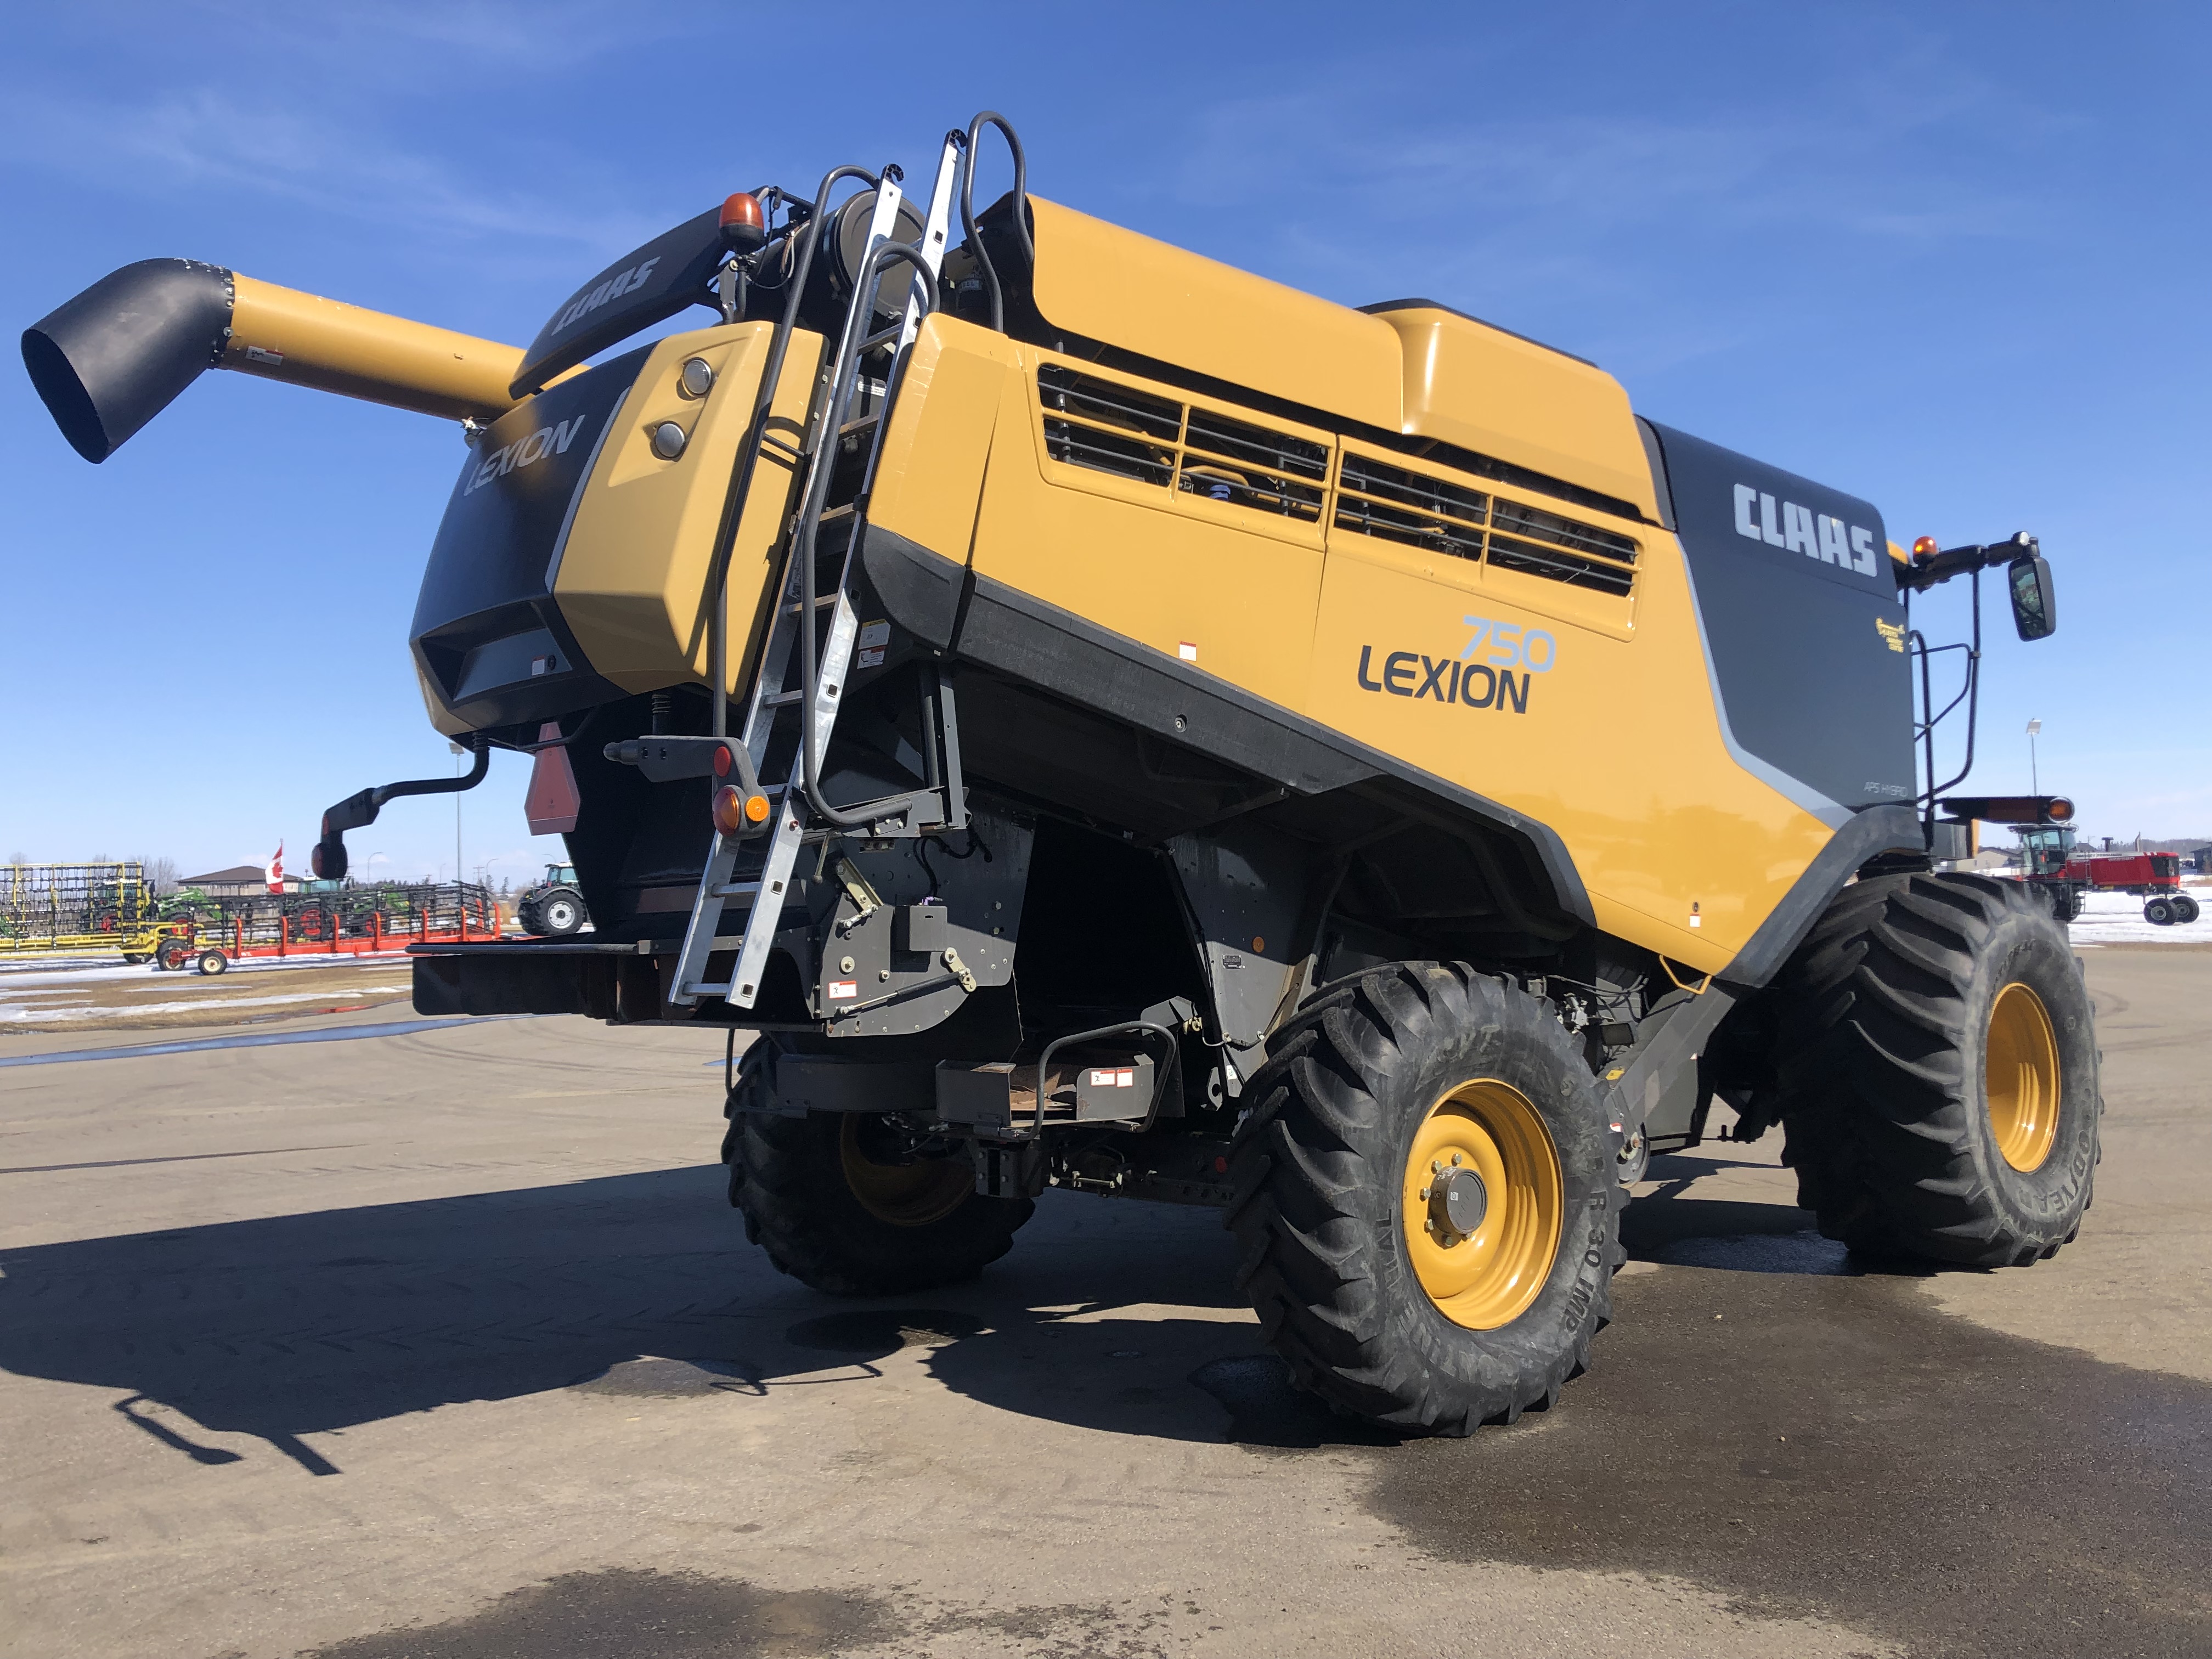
[{"x": 571, "y": 566}]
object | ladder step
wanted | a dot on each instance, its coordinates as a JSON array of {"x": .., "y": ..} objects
[
  {"x": 883, "y": 337},
  {"x": 701, "y": 988},
  {"x": 781, "y": 699},
  {"x": 835, "y": 515},
  {"x": 730, "y": 889},
  {"x": 822, "y": 604},
  {"x": 860, "y": 425}
]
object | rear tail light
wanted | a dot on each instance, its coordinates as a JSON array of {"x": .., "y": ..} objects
[{"x": 736, "y": 812}]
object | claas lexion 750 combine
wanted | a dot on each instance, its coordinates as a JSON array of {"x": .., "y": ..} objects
[{"x": 1113, "y": 722}]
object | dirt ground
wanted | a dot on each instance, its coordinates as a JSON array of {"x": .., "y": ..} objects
[
  {"x": 370, "y": 1336},
  {"x": 108, "y": 997}
]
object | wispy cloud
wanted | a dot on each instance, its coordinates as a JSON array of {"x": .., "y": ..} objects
[
  {"x": 201, "y": 139},
  {"x": 405, "y": 41},
  {"x": 1562, "y": 210}
]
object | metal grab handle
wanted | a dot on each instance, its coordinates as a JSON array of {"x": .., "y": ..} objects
[
  {"x": 1170, "y": 1073},
  {"x": 991, "y": 118},
  {"x": 810, "y": 519},
  {"x": 741, "y": 476}
]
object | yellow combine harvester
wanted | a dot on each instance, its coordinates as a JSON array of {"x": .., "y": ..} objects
[{"x": 1114, "y": 722}]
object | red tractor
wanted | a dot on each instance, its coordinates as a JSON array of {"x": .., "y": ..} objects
[{"x": 2066, "y": 871}]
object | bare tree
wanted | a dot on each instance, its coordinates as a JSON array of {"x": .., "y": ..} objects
[{"x": 160, "y": 874}]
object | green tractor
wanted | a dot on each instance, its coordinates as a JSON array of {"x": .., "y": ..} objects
[{"x": 552, "y": 908}]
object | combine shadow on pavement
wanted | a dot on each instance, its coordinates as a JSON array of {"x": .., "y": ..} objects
[
  {"x": 1764, "y": 1418},
  {"x": 294, "y": 1326}
]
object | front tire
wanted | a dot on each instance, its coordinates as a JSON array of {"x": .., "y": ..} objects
[
  {"x": 1938, "y": 1066},
  {"x": 2159, "y": 912},
  {"x": 2185, "y": 907},
  {"x": 1390, "y": 1298},
  {"x": 829, "y": 1198}
]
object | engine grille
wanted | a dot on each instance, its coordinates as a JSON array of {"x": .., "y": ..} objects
[{"x": 1178, "y": 447}]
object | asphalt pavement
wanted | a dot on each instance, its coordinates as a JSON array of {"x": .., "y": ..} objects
[{"x": 440, "y": 1342}]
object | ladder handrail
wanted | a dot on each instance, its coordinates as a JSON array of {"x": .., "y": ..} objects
[
  {"x": 819, "y": 682},
  {"x": 741, "y": 473},
  {"x": 992, "y": 118},
  {"x": 809, "y": 677}
]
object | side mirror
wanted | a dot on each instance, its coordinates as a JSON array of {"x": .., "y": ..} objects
[{"x": 2034, "y": 605}]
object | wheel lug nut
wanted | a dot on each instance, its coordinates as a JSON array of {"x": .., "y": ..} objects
[
  {"x": 1424, "y": 1193},
  {"x": 1455, "y": 1160}
]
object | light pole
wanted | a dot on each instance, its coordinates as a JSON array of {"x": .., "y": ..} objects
[
  {"x": 458, "y": 874},
  {"x": 2034, "y": 778}
]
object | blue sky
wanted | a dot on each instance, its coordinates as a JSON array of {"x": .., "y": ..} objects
[{"x": 1951, "y": 258}]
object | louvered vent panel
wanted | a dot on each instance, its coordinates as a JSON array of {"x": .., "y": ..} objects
[
  {"x": 1226, "y": 460},
  {"x": 1108, "y": 428},
  {"x": 1373, "y": 499},
  {"x": 1540, "y": 544}
]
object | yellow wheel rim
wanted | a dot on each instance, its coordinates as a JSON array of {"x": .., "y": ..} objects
[
  {"x": 1486, "y": 1275},
  {"x": 2021, "y": 1077},
  {"x": 905, "y": 1194}
]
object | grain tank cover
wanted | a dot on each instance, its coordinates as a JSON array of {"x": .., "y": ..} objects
[
  {"x": 1113, "y": 285},
  {"x": 1493, "y": 391}
]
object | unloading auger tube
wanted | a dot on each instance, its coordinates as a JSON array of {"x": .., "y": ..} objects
[{"x": 1195, "y": 741}]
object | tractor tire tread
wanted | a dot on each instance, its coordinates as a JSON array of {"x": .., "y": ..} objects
[
  {"x": 788, "y": 1183},
  {"x": 1308, "y": 1203},
  {"x": 1872, "y": 1072}
]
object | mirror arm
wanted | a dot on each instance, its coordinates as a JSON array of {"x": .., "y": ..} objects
[{"x": 1926, "y": 570}]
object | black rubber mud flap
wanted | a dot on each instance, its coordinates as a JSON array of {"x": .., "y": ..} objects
[{"x": 1319, "y": 1168}]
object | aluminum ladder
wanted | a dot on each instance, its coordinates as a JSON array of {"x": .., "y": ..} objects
[{"x": 775, "y": 704}]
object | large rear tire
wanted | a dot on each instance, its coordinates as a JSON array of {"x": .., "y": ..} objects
[
  {"x": 1938, "y": 1066},
  {"x": 1427, "y": 1200},
  {"x": 559, "y": 914},
  {"x": 834, "y": 1204}
]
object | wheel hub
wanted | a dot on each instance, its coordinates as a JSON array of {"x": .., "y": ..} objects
[
  {"x": 2021, "y": 1077},
  {"x": 1482, "y": 1211},
  {"x": 1458, "y": 1201}
]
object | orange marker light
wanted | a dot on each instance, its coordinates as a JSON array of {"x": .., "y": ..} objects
[
  {"x": 744, "y": 226},
  {"x": 757, "y": 808},
  {"x": 1925, "y": 547}
]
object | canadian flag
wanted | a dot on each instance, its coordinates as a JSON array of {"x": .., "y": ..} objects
[{"x": 275, "y": 871}]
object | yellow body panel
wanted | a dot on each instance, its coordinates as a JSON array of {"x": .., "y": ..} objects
[
  {"x": 1106, "y": 283},
  {"x": 1491, "y": 391},
  {"x": 1619, "y": 751},
  {"x": 931, "y": 475},
  {"x": 283, "y": 334},
  {"x": 632, "y": 580}
]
